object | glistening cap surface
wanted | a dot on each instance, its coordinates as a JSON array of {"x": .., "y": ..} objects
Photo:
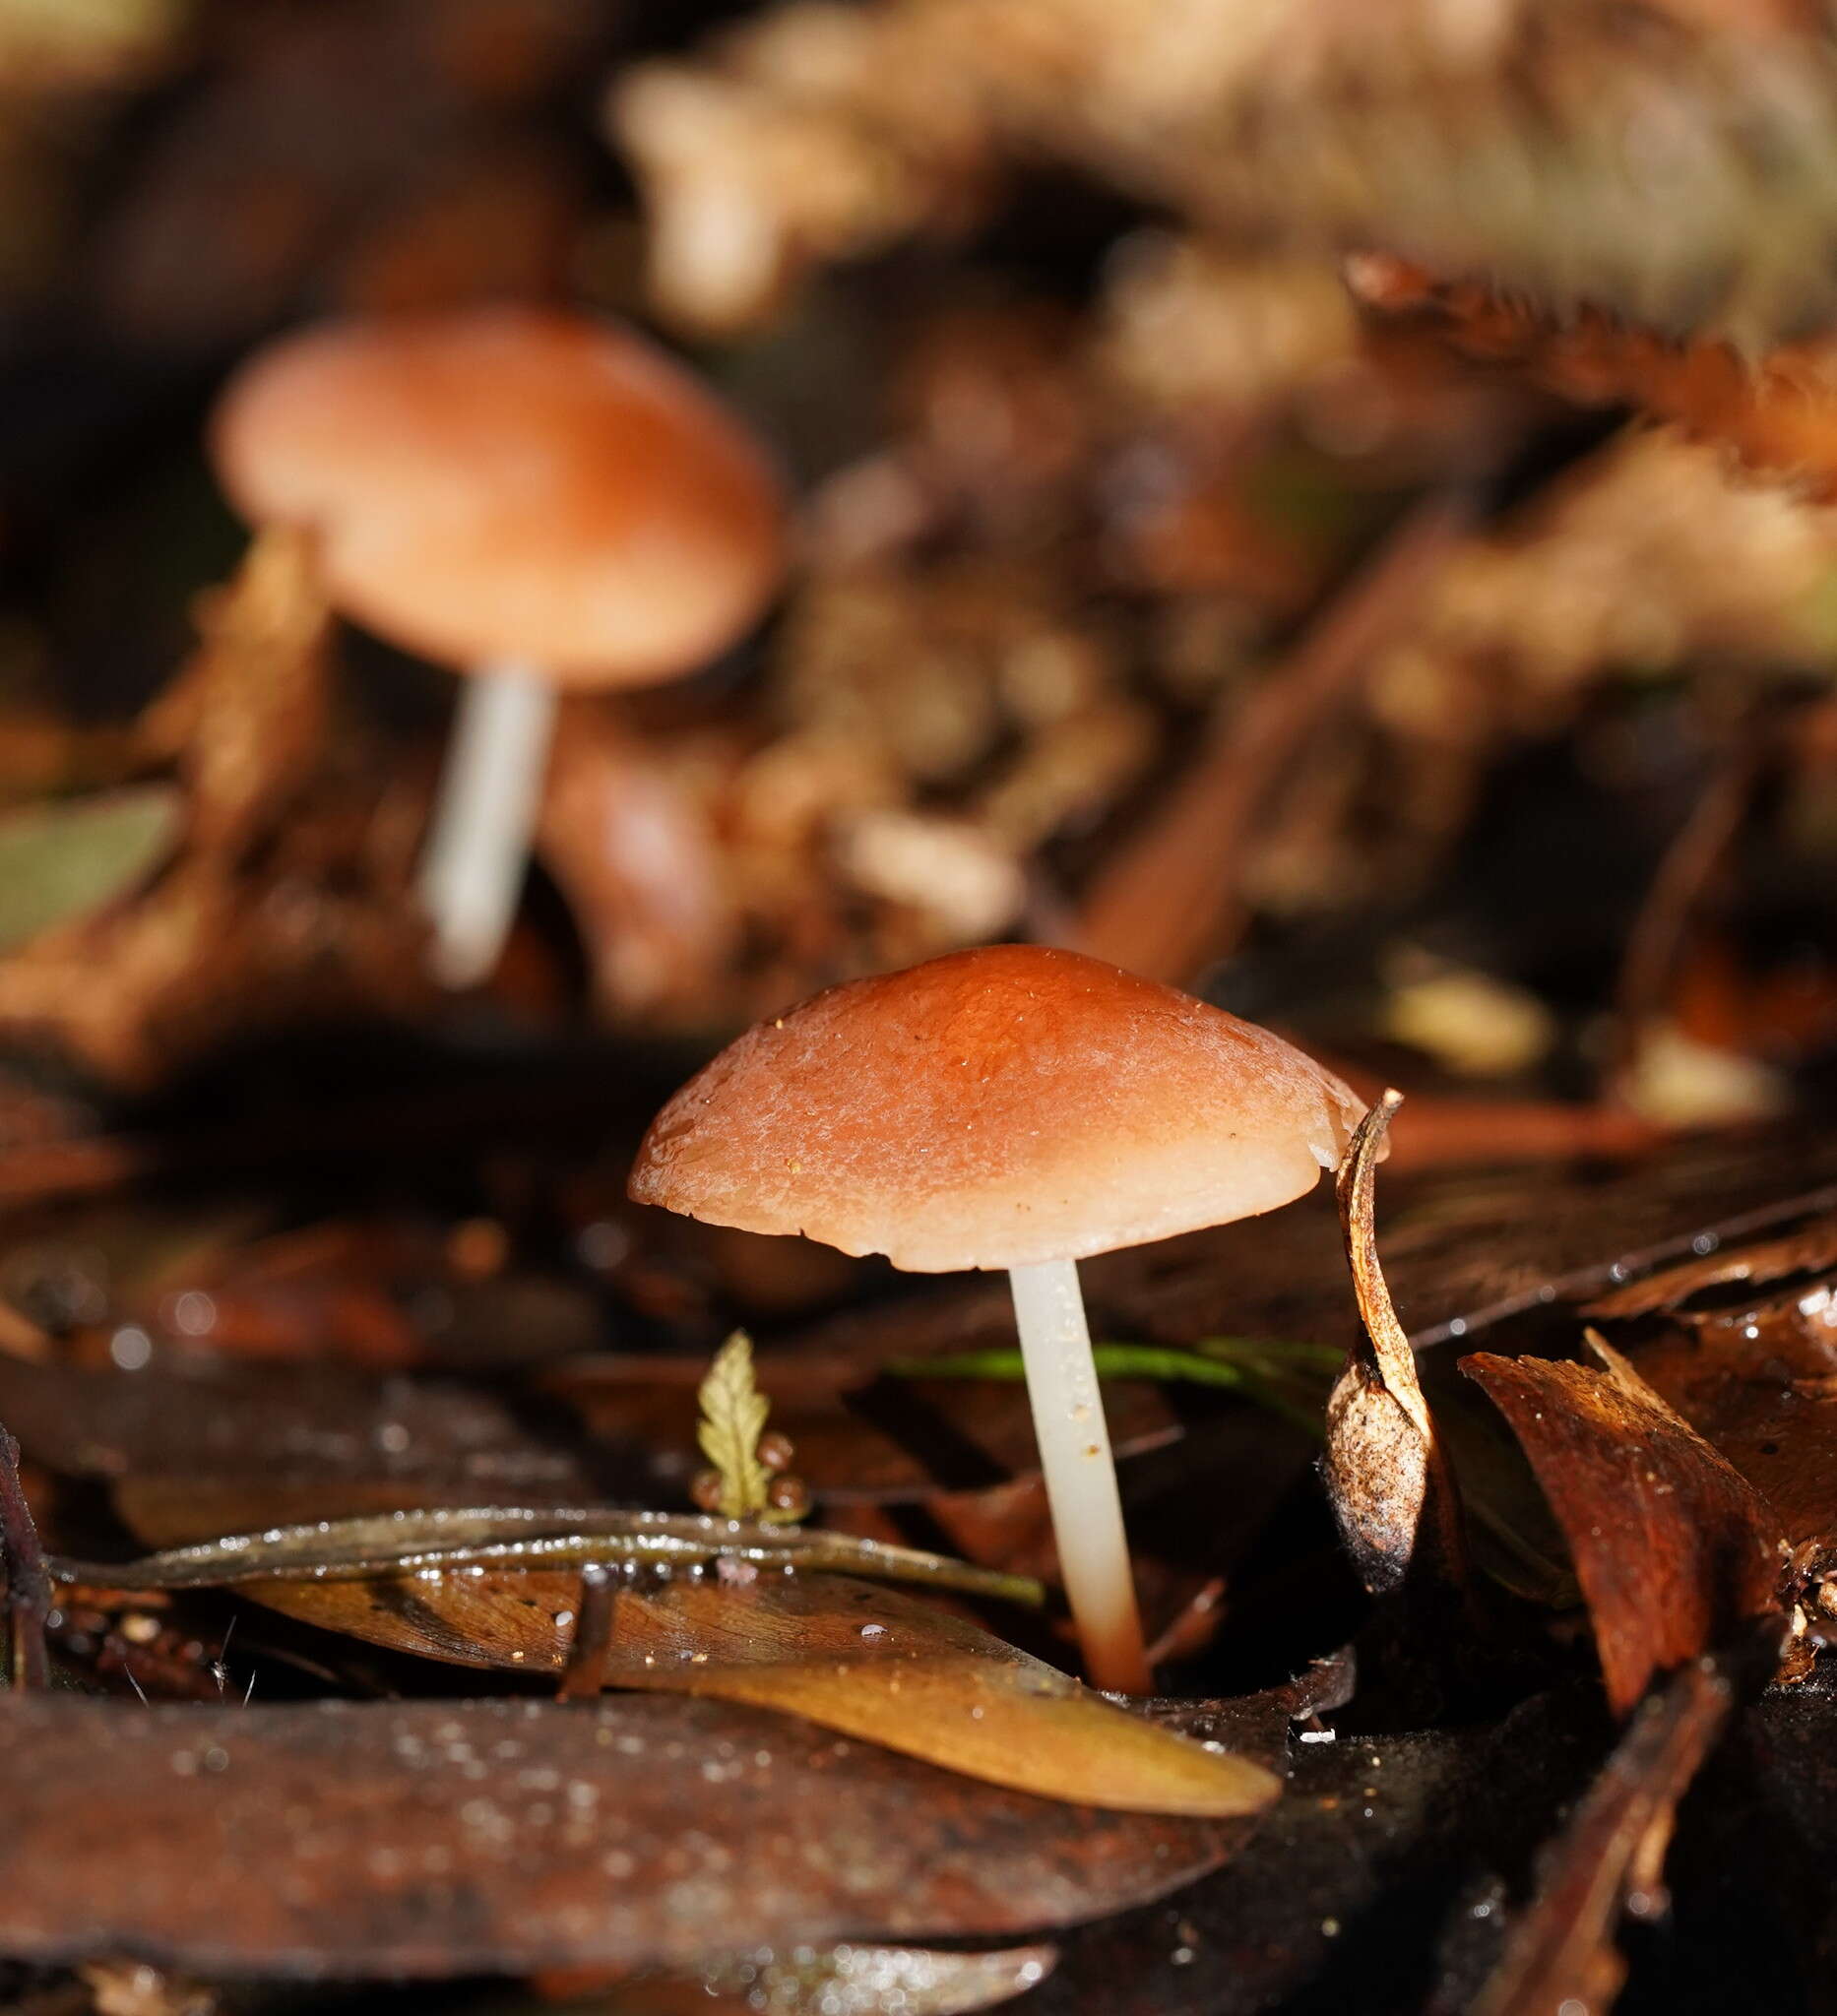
[
  {"x": 510, "y": 483},
  {"x": 996, "y": 1109}
]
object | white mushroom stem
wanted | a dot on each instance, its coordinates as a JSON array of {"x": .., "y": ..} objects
[
  {"x": 490, "y": 792},
  {"x": 1080, "y": 1474}
]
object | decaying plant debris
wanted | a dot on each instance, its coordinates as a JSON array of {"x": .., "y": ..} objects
[{"x": 1334, "y": 514}]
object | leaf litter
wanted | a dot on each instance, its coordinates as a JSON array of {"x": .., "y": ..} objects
[
  {"x": 438, "y": 1838},
  {"x": 773, "y": 1624}
]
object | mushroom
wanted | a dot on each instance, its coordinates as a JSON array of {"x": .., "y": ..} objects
[
  {"x": 540, "y": 501},
  {"x": 1011, "y": 1108}
]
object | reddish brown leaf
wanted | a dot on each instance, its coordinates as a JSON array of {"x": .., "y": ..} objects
[
  {"x": 1806, "y": 1249},
  {"x": 1756, "y": 1374},
  {"x": 638, "y": 859},
  {"x": 227, "y": 1451},
  {"x": 1672, "y": 1548}
]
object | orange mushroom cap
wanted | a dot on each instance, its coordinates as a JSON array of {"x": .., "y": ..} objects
[
  {"x": 996, "y": 1109},
  {"x": 511, "y": 483}
]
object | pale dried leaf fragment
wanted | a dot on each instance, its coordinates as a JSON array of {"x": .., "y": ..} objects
[
  {"x": 913, "y": 1979},
  {"x": 815, "y": 133},
  {"x": 1674, "y": 165},
  {"x": 50, "y": 46},
  {"x": 128, "y": 1988},
  {"x": 1383, "y": 1462},
  {"x": 248, "y": 718}
]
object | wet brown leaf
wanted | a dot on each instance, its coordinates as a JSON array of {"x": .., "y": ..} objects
[
  {"x": 871, "y": 1662},
  {"x": 1466, "y": 1252},
  {"x": 515, "y": 1538},
  {"x": 439, "y": 1839},
  {"x": 1674, "y": 1549},
  {"x": 1752, "y": 1371},
  {"x": 1809, "y": 1248},
  {"x": 187, "y": 1450}
]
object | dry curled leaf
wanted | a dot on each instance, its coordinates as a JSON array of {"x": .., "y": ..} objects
[
  {"x": 1493, "y": 140},
  {"x": 1675, "y": 1550},
  {"x": 1383, "y": 1466},
  {"x": 246, "y": 720},
  {"x": 436, "y": 1837}
]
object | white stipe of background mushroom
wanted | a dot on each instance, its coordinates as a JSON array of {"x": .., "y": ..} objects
[{"x": 543, "y": 502}]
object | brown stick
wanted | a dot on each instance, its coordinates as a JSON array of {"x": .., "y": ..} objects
[
  {"x": 1170, "y": 900},
  {"x": 1684, "y": 872},
  {"x": 27, "y": 1586},
  {"x": 583, "y": 1675}
]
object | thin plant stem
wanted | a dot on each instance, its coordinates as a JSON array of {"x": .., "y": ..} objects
[{"x": 28, "y": 1584}]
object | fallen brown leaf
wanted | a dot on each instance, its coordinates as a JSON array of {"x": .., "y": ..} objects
[
  {"x": 440, "y": 1838},
  {"x": 1674, "y": 1549},
  {"x": 871, "y": 1662},
  {"x": 187, "y": 1449},
  {"x": 635, "y": 854},
  {"x": 1754, "y": 1373},
  {"x": 1810, "y": 1248}
]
